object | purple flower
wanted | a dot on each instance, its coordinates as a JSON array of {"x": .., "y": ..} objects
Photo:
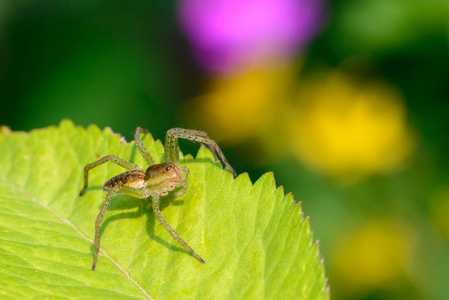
[{"x": 228, "y": 34}]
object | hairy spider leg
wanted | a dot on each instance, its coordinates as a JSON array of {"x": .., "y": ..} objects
[
  {"x": 183, "y": 182},
  {"x": 138, "y": 193},
  {"x": 157, "y": 213},
  {"x": 172, "y": 149},
  {"x": 112, "y": 158},
  {"x": 141, "y": 147}
]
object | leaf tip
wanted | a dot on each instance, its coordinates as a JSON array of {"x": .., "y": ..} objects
[
  {"x": 66, "y": 123},
  {"x": 308, "y": 220},
  {"x": 204, "y": 152},
  {"x": 188, "y": 156},
  {"x": 5, "y": 129},
  {"x": 93, "y": 129},
  {"x": 244, "y": 174},
  {"x": 243, "y": 177},
  {"x": 108, "y": 130},
  {"x": 281, "y": 188}
]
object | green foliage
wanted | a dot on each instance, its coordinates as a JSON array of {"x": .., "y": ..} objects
[{"x": 254, "y": 239}]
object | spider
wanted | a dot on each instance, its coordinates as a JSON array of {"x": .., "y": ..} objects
[{"x": 156, "y": 181}]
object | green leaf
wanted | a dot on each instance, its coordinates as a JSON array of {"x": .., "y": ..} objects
[{"x": 254, "y": 239}]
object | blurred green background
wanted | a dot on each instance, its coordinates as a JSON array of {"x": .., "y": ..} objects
[{"x": 351, "y": 112}]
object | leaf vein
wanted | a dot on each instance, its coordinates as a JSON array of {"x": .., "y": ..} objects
[{"x": 67, "y": 222}]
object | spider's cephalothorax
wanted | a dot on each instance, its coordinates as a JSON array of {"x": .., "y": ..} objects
[
  {"x": 158, "y": 179},
  {"x": 163, "y": 178}
]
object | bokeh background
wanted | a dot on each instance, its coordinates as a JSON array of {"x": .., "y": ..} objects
[{"x": 346, "y": 101}]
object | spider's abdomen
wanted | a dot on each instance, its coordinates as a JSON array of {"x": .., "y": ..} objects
[{"x": 133, "y": 178}]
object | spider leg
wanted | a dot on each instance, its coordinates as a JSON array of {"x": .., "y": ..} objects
[
  {"x": 138, "y": 193},
  {"x": 112, "y": 158},
  {"x": 172, "y": 149},
  {"x": 157, "y": 213},
  {"x": 185, "y": 174},
  {"x": 141, "y": 147},
  {"x": 183, "y": 182}
]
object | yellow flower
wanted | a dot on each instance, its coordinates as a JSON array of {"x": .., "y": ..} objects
[
  {"x": 4, "y": 129},
  {"x": 439, "y": 212},
  {"x": 373, "y": 257},
  {"x": 345, "y": 128},
  {"x": 247, "y": 107}
]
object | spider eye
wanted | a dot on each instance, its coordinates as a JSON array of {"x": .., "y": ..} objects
[{"x": 168, "y": 168}]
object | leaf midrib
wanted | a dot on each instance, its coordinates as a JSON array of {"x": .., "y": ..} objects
[{"x": 67, "y": 222}]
